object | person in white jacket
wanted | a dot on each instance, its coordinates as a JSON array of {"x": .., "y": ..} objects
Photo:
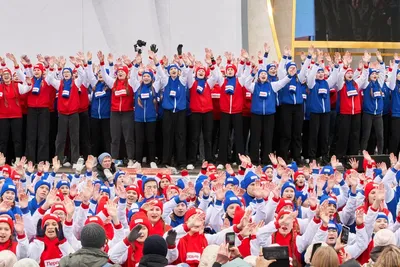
[{"x": 19, "y": 246}]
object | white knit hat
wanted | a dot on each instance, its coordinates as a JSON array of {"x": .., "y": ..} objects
[
  {"x": 26, "y": 263},
  {"x": 384, "y": 237},
  {"x": 7, "y": 258}
]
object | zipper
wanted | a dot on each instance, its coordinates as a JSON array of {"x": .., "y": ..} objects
[
  {"x": 120, "y": 104},
  {"x": 263, "y": 107},
  {"x": 376, "y": 106},
  {"x": 294, "y": 99},
  {"x": 230, "y": 104},
  {"x": 323, "y": 106},
  {"x": 352, "y": 105},
  {"x": 174, "y": 104},
  {"x": 98, "y": 110},
  {"x": 144, "y": 110}
]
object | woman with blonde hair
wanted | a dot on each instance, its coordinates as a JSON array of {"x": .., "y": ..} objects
[
  {"x": 325, "y": 257},
  {"x": 390, "y": 257}
]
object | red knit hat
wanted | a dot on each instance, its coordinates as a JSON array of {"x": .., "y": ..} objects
[
  {"x": 347, "y": 70},
  {"x": 184, "y": 173},
  {"x": 281, "y": 213},
  {"x": 368, "y": 188},
  {"x": 58, "y": 207},
  {"x": 211, "y": 167},
  {"x": 170, "y": 187},
  {"x": 15, "y": 175},
  {"x": 124, "y": 69},
  {"x": 7, "y": 70},
  {"x": 7, "y": 220},
  {"x": 139, "y": 218},
  {"x": 40, "y": 67},
  {"x": 213, "y": 177},
  {"x": 60, "y": 195},
  {"x": 282, "y": 203},
  {"x": 231, "y": 66},
  {"x": 239, "y": 213},
  {"x": 190, "y": 212},
  {"x": 365, "y": 164},
  {"x": 166, "y": 176},
  {"x": 133, "y": 187},
  {"x": 296, "y": 174},
  {"x": 206, "y": 70},
  {"x": 101, "y": 204},
  {"x": 50, "y": 217},
  {"x": 157, "y": 203},
  {"x": 6, "y": 169},
  {"x": 95, "y": 219}
]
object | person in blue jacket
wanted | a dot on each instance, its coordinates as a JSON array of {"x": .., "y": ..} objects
[
  {"x": 320, "y": 108},
  {"x": 174, "y": 103},
  {"x": 263, "y": 103},
  {"x": 100, "y": 111},
  {"x": 395, "y": 107},
  {"x": 42, "y": 189}
]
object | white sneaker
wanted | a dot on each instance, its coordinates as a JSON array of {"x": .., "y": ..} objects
[
  {"x": 153, "y": 165},
  {"x": 190, "y": 167},
  {"x": 135, "y": 165},
  {"x": 67, "y": 164},
  {"x": 220, "y": 167},
  {"x": 78, "y": 167},
  {"x": 81, "y": 161},
  {"x": 95, "y": 162},
  {"x": 118, "y": 163},
  {"x": 144, "y": 160},
  {"x": 234, "y": 164},
  {"x": 173, "y": 169}
]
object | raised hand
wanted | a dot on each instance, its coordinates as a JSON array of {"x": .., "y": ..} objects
[
  {"x": 40, "y": 232},
  {"x": 366, "y": 57},
  {"x": 171, "y": 237},
  {"x": 19, "y": 225},
  {"x": 60, "y": 232},
  {"x": 266, "y": 47},
  {"x": 69, "y": 207},
  {"x": 23, "y": 200},
  {"x": 353, "y": 163}
]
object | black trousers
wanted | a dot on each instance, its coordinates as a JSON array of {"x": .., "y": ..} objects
[
  {"x": 348, "y": 135},
  {"x": 262, "y": 128},
  {"x": 15, "y": 127},
  {"x": 215, "y": 137},
  {"x": 84, "y": 134},
  {"x": 246, "y": 131},
  {"x": 100, "y": 136},
  {"x": 319, "y": 135},
  {"x": 395, "y": 137},
  {"x": 277, "y": 130},
  {"x": 368, "y": 121},
  {"x": 174, "y": 133},
  {"x": 159, "y": 140},
  {"x": 292, "y": 117},
  {"x": 68, "y": 123},
  {"x": 122, "y": 122},
  {"x": 145, "y": 131},
  {"x": 226, "y": 121},
  {"x": 305, "y": 139},
  {"x": 200, "y": 122},
  {"x": 53, "y": 133},
  {"x": 37, "y": 134}
]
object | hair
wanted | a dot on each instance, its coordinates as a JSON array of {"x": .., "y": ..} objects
[
  {"x": 325, "y": 257},
  {"x": 295, "y": 230},
  {"x": 126, "y": 84},
  {"x": 390, "y": 257}
]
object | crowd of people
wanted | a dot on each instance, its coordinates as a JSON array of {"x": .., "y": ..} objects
[
  {"x": 182, "y": 111},
  {"x": 248, "y": 112}
]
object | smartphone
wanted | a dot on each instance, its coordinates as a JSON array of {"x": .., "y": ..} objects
[
  {"x": 230, "y": 239},
  {"x": 345, "y": 234},
  {"x": 314, "y": 248},
  {"x": 280, "y": 254}
]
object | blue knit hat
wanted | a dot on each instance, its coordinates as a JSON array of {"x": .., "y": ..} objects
[
  {"x": 371, "y": 70},
  {"x": 250, "y": 177},
  {"x": 40, "y": 183},
  {"x": 328, "y": 170},
  {"x": 180, "y": 183},
  {"x": 261, "y": 70},
  {"x": 290, "y": 64},
  {"x": 102, "y": 156},
  {"x": 146, "y": 179},
  {"x": 104, "y": 188},
  {"x": 169, "y": 67},
  {"x": 231, "y": 198},
  {"x": 293, "y": 166},
  {"x": 8, "y": 186},
  {"x": 231, "y": 180},
  {"x": 330, "y": 199},
  {"x": 149, "y": 73},
  {"x": 199, "y": 184},
  {"x": 61, "y": 183},
  {"x": 69, "y": 69},
  {"x": 271, "y": 65},
  {"x": 288, "y": 184},
  {"x": 335, "y": 226},
  {"x": 264, "y": 169},
  {"x": 118, "y": 174},
  {"x": 382, "y": 215}
]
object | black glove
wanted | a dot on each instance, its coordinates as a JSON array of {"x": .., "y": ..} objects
[
  {"x": 141, "y": 43},
  {"x": 180, "y": 46},
  {"x": 154, "y": 48},
  {"x": 40, "y": 232},
  {"x": 60, "y": 232},
  {"x": 135, "y": 46},
  {"x": 171, "y": 238},
  {"x": 134, "y": 234}
]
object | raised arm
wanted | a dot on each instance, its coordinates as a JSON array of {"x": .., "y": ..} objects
[
  {"x": 249, "y": 82},
  {"x": 364, "y": 75},
  {"x": 50, "y": 75},
  {"x": 246, "y": 73},
  {"x": 278, "y": 85},
  {"x": 333, "y": 77},
  {"x": 282, "y": 65},
  {"x": 393, "y": 77},
  {"x": 311, "y": 76},
  {"x": 107, "y": 78},
  {"x": 307, "y": 62}
]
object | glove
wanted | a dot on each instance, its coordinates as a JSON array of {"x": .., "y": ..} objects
[
  {"x": 171, "y": 238},
  {"x": 141, "y": 43},
  {"x": 180, "y": 46},
  {"x": 135, "y": 47},
  {"x": 134, "y": 234},
  {"x": 60, "y": 232},
  {"x": 40, "y": 232},
  {"x": 154, "y": 48},
  {"x": 108, "y": 175}
]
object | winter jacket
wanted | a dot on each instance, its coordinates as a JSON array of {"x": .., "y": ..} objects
[
  {"x": 100, "y": 172},
  {"x": 86, "y": 257},
  {"x": 153, "y": 260}
]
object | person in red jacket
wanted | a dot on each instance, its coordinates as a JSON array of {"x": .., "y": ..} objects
[
  {"x": 350, "y": 108},
  {"x": 201, "y": 119},
  {"x": 122, "y": 102},
  {"x": 11, "y": 111},
  {"x": 7, "y": 228},
  {"x": 68, "y": 106},
  {"x": 231, "y": 102},
  {"x": 38, "y": 119}
]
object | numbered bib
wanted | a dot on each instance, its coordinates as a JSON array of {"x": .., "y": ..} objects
[
  {"x": 65, "y": 93},
  {"x": 99, "y": 94},
  {"x": 199, "y": 89},
  {"x": 377, "y": 94},
  {"x": 121, "y": 92},
  {"x": 352, "y": 93},
  {"x": 322, "y": 91},
  {"x": 52, "y": 263},
  {"x": 248, "y": 95},
  {"x": 172, "y": 93},
  {"x": 292, "y": 88},
  {"x": 263, "y": 94},
  {"x": 144, "y": 96},
  {"x": 215, "y": 95},
  {"x": 35, "y": 90},
  {"x": 304, "y": 96}
]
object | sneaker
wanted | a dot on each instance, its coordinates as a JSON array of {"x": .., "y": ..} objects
[
  {"x": 234, "y": 164},
  {"x": 118, "y": 163},
  {"x": 135, "y": 165},
  {"x": 81, "y": 160},
  {"x": 190, "y": 167},
  {"x": 220, "y": 167},
  {"x": 173, "y": 169},
  {"x": 67, "y": 164},
  {"x": 153, "y": 165},
  {"x": 144, "y": 160},
  {"x": 78, "y": 167}
]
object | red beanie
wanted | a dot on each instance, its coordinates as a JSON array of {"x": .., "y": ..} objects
[
  {"x": 296, "y": 174},
  {"x": 206, "y": 70},
  {"x": 60, "y": 195},
  {"x": 15, "y": 175},
  {"x": 282, "y": 203},
  {"x": 231, "y": 66},
  {"x": 157, "y": 203},
  {"x": 281, "y": 213},
  {"x": 211, "y": 167},
  {"x": 95, "y": 219},
  {"x": 133, "y": 187},
  {"x": 368, "y": 188},
  {"x": 347, "y": 70},
  {"x": 7, "y": 70},
  {"x": 170, "y": 187},
  {"x": 124, "y": 69},
  {"x": 7, "y": 220},
  {"x": 50, "y": 217},
  {"x": 101, "y": 204},
  {"x": 58, "y": 207},
  {"x": 139, "y": 218},
  {"x": 365, "y": 164},
  {"x": 40, "y": 67},
  {"x": 166, "y": 176},
  {"x": 190, "y": 212},
  {"x": 184, "y": 173},
  {"x": 239, "y": 213}
]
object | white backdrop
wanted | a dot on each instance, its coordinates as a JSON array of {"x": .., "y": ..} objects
[{"x": 59, "y": 27}]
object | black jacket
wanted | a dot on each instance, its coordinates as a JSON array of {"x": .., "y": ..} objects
[
  {"x": 100, "y": 172},
  {"x": 153, "y": 260}
]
